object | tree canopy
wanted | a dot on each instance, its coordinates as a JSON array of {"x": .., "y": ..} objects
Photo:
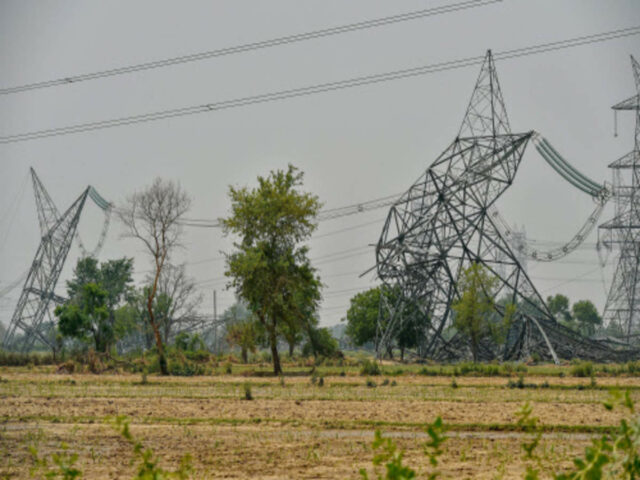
[
  {"x": 96, "y": 292},
  {"x": 86, "y": 316},
  {"x": 363, "y": 316},
  {"x": 474, "y": 310},
  {"x": 559, "y": 306},
  {"x": 586, "y": 314},
  {"x": 269, "y": 267}
]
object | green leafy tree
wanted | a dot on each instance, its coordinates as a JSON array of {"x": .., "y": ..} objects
[
  {"x": 320, "y": 343},
  {"x": 114, "y": 277},
  {"x": 586, "y": 314},
  {"x": 269, "y": 267},
  {"x": 559, "y": 306},
  {"x": 300, "y": 320},
  {"x": 362, "y": 319},
  {"x": 86, "y": 316},
  {"x": 246, "y": 335},
  {"x": 475, "y": 308},
  {"x": 362, "y": 316}
]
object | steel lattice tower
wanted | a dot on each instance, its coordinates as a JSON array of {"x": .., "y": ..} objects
[
  {"x": 57, "y": 233},
  {"x": 623, "y": 230},
  {"x": 444, "y": 223}
]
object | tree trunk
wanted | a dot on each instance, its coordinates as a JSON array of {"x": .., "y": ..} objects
[
  {"x": 245, "y": 357},
  {"x": 292, "y": 347},
  {"x": 273, "y": 341},
  {"x": 162, "y": 360},
  {"x": 402, "y": 354},
  {"x": 390, "y": 352},
  {"x": 474, "y": 350},
  {"x": 164, "y": 369}
]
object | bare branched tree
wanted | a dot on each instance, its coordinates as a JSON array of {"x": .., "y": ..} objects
[
  {"x": 152, "y": 216},
  {"x": 177, "y": 302}
]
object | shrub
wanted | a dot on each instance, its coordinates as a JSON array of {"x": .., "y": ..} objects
[
  {"x": 67, "y": 367},
  {"x": 368, "y": 367},
  {"x": 247, "y": 391},
  {"x": 633, "y": 367},
  {"x": 15, "y": 359},
  {"x": 454, "y": 384},
  {"x": 370, "y": 383},
  {"x": 185, "y": 368},
  {"x": 520, "y": 383},
  {"x": 582, "y": 369}
]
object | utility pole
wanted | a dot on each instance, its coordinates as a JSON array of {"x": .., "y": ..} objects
[{"x": 215, "y": 324}]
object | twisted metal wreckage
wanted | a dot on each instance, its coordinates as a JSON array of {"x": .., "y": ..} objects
[
  {"x": 444, "y": 222},
  {"x": 37, "y": 298},
  {"x": 448, "y": 220}
]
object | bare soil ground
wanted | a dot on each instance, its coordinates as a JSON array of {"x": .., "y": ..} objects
[{"x": 293, "y": 431}]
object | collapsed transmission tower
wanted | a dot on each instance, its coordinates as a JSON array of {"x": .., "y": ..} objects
[
  {"x": 57, "y": 233},
  {"x": 444, "y": 223},
  {"x": 623, "y": 230}
]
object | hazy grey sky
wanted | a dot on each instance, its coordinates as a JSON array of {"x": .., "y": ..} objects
[{"x": 353, "y": 145}]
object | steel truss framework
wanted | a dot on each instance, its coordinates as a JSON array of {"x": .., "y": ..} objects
[
  {"x": 443, "y": 223},
  {"x": 623, "y": 230},
  {"x": 57, "y": 233}
]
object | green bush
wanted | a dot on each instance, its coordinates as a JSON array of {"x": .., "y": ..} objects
[
  {"x": 15, "y": 359},
  {"x": 633, "y": 368},
  {"x": 368, "y": 367},
  {"x": 247, "y": 391},
  {"x": 582, "y": 369},
  {"x": 185, "y": 368}
]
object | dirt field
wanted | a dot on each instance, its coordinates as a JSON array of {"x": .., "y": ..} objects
[{"x": 295, "y": 430}]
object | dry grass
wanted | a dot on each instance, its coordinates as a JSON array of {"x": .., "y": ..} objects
[{"x": 295, "y": 431}]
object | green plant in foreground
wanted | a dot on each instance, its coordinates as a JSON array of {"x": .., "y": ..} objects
[
  {"x": 389, "y": 455},
  {"x": 609, "y": 457},
  {"x": 63, "y": 464},
  {"x": 148, "y": 468},
  {"x": 392, "y": 459}
]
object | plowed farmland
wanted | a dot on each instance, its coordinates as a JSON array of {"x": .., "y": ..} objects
[{"x": 296, "y": 428}]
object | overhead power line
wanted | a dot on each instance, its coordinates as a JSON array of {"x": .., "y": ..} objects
[
  {"x": 328, "y": 214},
  {"x": 300, "y": 37},
  {"x": 319, "y": 88}
]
